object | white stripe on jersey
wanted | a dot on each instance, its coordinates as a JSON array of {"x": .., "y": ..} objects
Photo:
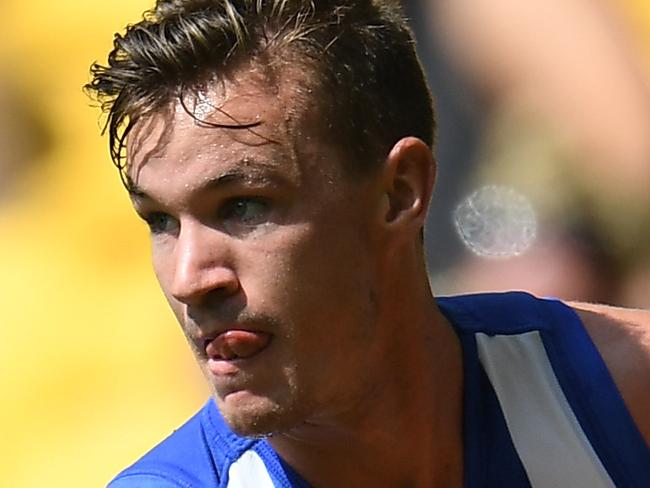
[
  {"x": 249, "y": 471},
  {"x": 553, "y": 448}
]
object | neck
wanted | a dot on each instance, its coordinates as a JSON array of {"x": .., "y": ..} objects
[{"x": 406, "y": 428}]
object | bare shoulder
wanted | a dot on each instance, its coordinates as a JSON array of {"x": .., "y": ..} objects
[{"x": 622, "y": 337}]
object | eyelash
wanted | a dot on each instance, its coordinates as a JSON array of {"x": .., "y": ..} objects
[
  {"x": 159, "y": 222},
  {"x": 153, "y": 221},
  {"x": 230, "y": 209}
]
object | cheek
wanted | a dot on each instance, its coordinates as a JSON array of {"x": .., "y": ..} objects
[
  {"x": 327, "y": 278},
  {"x": 164, "y": 258},
  {"x": 163, "y": 268}
]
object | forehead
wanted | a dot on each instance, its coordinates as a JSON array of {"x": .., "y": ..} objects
[{"x": 230, "y": 122}]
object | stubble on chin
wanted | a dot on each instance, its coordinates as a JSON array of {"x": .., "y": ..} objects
[{"x": 259, "y": 417}]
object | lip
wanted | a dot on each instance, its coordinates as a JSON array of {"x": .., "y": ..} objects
[
  {"x": 233, "y": 349},
  {"x": 230, "y": 367},
  {"x": 207, "y": 333}
]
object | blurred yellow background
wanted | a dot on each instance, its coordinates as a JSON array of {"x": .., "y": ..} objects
[{"x": 94, "y": 369}]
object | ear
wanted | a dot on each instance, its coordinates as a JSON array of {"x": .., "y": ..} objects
[{"x": 409, "y": 174}]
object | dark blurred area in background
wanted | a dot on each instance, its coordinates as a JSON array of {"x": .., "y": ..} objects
[
  {"x": 24, "y": 136},
  {"x": 550, "y": 98}
]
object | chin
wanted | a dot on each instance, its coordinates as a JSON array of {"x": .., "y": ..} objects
[{"x": 252, "y": 416}]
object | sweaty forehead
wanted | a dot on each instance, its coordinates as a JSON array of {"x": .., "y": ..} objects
[
  {"x": 227, "y": 117},
  {"x": 278, "y": 124}
]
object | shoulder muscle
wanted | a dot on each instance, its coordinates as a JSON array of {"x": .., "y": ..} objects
[{"x": 622, "y": 336}]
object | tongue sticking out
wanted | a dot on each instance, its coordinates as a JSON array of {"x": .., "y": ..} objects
[{"x": 237, "y": 344}]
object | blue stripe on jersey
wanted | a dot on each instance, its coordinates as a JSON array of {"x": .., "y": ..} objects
[
  {"x": 547, "y": 436},
  {"x": 594, "y": 398},
  {"x": 490, "y": 458},
  {"x": 577, "y": 365}
]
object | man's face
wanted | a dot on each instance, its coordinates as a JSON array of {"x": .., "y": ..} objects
[{"x": 266, "y": 252}]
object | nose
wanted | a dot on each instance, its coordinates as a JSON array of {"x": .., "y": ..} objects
[{"x": 202, "y": 265}]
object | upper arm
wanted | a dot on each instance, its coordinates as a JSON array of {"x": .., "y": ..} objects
[{"x": 622, "y": 337}]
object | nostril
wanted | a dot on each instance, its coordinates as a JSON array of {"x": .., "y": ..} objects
[{"x": 205, "y": 284}]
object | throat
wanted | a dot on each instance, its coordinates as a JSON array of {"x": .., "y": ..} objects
[
  {"x": 419, "y": 444},
  {"x": 404, "y": 461},
  {"x": 405, "y": 429}
]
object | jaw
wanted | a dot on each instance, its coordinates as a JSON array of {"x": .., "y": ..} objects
[{"x": 252, "y": 414}]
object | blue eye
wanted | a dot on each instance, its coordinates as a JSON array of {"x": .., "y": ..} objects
[
  {"x": 160, "y": 223},
  {"x": 247, "y": 211}
]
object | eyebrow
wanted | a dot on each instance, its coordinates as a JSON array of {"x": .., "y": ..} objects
[{"x": 246, "y": 171}]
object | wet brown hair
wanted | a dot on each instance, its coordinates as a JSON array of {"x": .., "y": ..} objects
[{"x": 359, "y": 56}]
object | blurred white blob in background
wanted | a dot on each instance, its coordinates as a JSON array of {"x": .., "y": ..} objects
[{"x": 496, "y": 222}]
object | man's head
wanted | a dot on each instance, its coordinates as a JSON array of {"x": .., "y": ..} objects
[
  {"x": 356, "y": 61},
  {"x": 287, "y": 274}
]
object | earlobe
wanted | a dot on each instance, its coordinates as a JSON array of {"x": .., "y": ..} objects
[{"x": 409, "y": 176}]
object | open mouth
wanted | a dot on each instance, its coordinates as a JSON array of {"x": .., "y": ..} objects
[{"x": 236, "y": 344}]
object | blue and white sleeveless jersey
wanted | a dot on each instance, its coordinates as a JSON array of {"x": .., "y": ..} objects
[{"x": 540, "y": 410}]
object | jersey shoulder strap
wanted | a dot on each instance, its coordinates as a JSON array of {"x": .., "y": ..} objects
[
  {"x": 563, "y": 412},
  {"x": 204, "y": 452}
]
